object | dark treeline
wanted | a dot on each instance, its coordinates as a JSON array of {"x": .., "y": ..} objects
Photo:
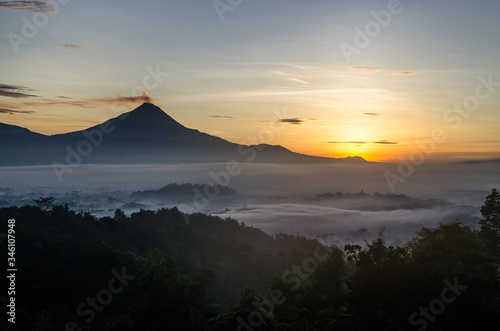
[
  {"x": 160, "y": 270},
  {"x": 183, "y": 191},
  {"x": 379, "y": 201}
]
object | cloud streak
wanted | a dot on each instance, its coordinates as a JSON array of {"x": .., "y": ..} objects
[
  {"x": 14, "y": 111},
  {"x": 385, "y": 142},
  {"x": 348, "y": 142},
  {"x": 75, "y": 48},
  {"x": 222, "y": 116},
  {"x": 30, "y": 6},
  {"x": 119, "y": 98},
  {"x": 404, "y": 73},
  {"x": 371, "y": 71},
  {"x": 380, "y": 142},
  {"x": 295, "y": 120},
  {"x": 297, "y": 80},
  {"x": 371, "y": 114},
  {"x": 366, "y": 70},
  {"x": 281, "y": 73},
  {"x": 14, "y": 91}
]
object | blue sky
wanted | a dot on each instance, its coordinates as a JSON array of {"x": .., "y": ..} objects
[{"x": 226, "y": 77}]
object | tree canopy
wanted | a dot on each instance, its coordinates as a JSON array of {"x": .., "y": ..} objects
[{"x": 219, "y": 274}]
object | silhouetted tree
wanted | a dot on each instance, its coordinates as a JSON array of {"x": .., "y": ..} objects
[
  {"x": 456, "y": 253},
  {"x": 45, "y": 203},
  {"x": 379, "y": 286},
  {"x": 67, "y": 257},
  {"x": 120, "y": 215},
  {"x": 169, "y": 300},
  {"x": 490, "y": 224}
]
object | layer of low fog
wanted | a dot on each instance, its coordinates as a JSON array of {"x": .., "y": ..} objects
[{"x": 274, "y": 198}]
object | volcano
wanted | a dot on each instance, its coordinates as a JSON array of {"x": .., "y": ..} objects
[{"x": 145, "y": 135}]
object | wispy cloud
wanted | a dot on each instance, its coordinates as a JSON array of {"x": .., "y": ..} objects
[
  {"x": 279, "y": 72},
  {"x": 222, "y": 116},
  {"x": 404, "y": 73},
  {"x": 51, "y": 102},
  {"x": 91, "y": 103},
  {"x": 19, "y": 92},
  {"x": 385, "y": 142},
  {"x": 348, "y": 142},
  {"x": 14, "y": 111},
  {"x": 75, "y": 48},
  {"x": 295, "y": 120},
  {"x": 298, "y": 80},
  {"x": 371, "y": 71},
  {"x": 293, "y": 79},
  {"x": 371, "y": 114},
  {"x": 366, "y": 70},
  {"x": 119, "y": 98},
  {"x": 14, "y": 91},
  {"x": 362, "y": 68},
  {"x": 30, "y": 6},
  {"x": 380, "y": 142},
  {"x": 226, "y": 117}
]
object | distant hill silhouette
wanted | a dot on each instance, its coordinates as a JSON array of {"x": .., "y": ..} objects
[
  {"x": 144, "y": 135},
  {"x": 379, "y": 201},
  {"x": 181, "y": 192}
]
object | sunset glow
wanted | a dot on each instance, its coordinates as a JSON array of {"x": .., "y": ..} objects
[{"x": 225, "y": 77}]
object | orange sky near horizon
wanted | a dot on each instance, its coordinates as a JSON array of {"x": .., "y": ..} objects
[{"x": 231, "y": 77}]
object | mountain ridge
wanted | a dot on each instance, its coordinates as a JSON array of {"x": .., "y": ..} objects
[{"x": 144, "y": 135}]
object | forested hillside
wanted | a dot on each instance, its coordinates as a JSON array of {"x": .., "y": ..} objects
[{"x": 164, "y": 270}]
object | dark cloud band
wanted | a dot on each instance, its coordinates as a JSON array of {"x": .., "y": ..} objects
[
  {"x": 30, "y": 6},
  {"x": 380, "y": 142},
  {"x": 296, "y": 121},
  {"x": 13, "y": 111},
  {"x": 14, "y": 91},
  {"x": 221, "y": 116}
]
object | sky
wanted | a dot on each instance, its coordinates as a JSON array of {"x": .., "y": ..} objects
[{"x": 376, "y": 79}]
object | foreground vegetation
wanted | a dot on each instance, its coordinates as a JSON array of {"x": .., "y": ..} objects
[{"x": 162, "y": 270}]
